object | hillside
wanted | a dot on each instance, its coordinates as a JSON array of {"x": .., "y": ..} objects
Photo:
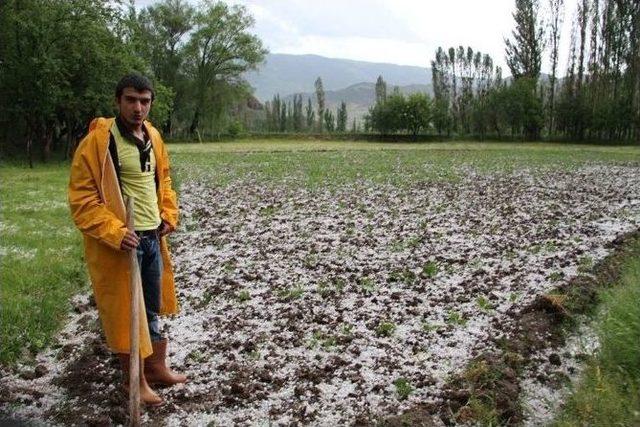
[{"x": 288, "y": 74}]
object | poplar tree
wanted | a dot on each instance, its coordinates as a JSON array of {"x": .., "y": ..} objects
[
  {"x": 556, "y": 8},
  {"x": 298, "y": 119},
  {"x": 381, "y": 90},
  {"x": 283, "y": 118},
  {"x": 524, "y": 52},
  {"x": 329, "y": 121},
  {"x": 341, "y": 125},
  {"x": 321, "y": 102},
  {"x": 310, "y": 115},
  {"x": 583, "y": 20}
]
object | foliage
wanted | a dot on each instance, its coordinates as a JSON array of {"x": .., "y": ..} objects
[
  {"x": 403, "y": 388},
  {"x": 329, "y": 121},
  {"x": 341, "y": 118},
  {"x": 219, "y": 50},
  {"x": 462, "y": 80},
  {"x": 401, "y": 114},
  {"x": 524, "y": 52},
  {"x": 320, "y": 98},
  {"x": 60, "y": 62},
  {"x": 608, "y": 392},
  {"x": 161, "y": 31},
  {"x": 381, "y": 90}
]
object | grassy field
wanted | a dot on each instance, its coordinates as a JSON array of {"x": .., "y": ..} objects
[
  {"x": 326, "y": 162},
  {"x": 42, "y": 265},
  {"x": 609, "y": 393},
  {"x": 41, "y": 258}
]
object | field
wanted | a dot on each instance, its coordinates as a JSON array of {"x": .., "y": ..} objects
[{"x": 333, "y": 283}]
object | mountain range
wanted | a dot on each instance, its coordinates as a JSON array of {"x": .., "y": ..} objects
[
  {"x": 286, "y": 74},
  {"x": 343, "y": 80}
]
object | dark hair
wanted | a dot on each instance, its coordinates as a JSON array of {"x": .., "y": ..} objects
[{"x": 136, "y": 81}]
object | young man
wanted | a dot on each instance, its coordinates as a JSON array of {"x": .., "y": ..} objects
[{"x": 126, "y": 157}]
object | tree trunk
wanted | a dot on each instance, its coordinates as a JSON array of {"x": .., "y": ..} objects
[
  {"x": 67, "y": 147},
  {"x": 166, "y": 128},
  {"x": 46, "y": 149},
  {"x": 635, "y": 45},
  {"x": 194, "y": 123},
  {"x": 30, "y": 150}
]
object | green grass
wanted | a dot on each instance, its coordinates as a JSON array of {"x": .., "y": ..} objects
[
  {"x": 609, "y": 392},
  {"x": 41, "y": 256},
  {"x": 385, "y": 329},
  {"x": 403, "y": 388},
  {"x": 41, "y": 259},
  {"x": 322, "y": 163}
]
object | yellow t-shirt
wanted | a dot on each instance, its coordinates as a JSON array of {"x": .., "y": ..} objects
[{"x": 137, "y": 183}]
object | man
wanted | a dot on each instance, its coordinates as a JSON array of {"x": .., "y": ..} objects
[{"x": 126, "y": 157}]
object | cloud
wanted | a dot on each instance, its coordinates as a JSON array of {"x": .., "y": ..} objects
[
  {"x": 333, "y": 18},
  {"x": 395, "y": 31}
]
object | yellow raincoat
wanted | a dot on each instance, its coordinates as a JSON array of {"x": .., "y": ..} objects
[{"x": 98, "y": 210}]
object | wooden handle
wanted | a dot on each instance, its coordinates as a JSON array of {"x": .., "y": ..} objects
[{"x": 134, "y": 327}]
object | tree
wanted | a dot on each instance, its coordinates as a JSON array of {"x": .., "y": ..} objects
[
  {"x": 163, "y": 27},
  {"x": 60, "y": 61},
  {"x": 297, "y": 116},
  {"x": 354, "y": 126},
  {"x": 524, "y": 52},
  {"x": 329, "y": 121},
  {"x": 417, "y": 113},
  {"x": 523, "y": 56},
  {"x": 583, "y": 20},
  {"x": 386, "y": 118},
  {"x": 310, "y": 115},
  {"x": 321, "y": 102},
  {"x": 556, "y": 8},
  {"x": 274, "y": 111},
  {"x": 219, "y": 51},
  {"x": 401, "y": 114},
  {"x": 381, "y": 90},
  {"x": 522, "y": 112},
  {"x": 282, "y": 126},
  {"x": 454, "y": 110},
  {"x": 341, "y": 118}
]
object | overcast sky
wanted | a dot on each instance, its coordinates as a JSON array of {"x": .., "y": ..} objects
[{"x": 403, "y": 32}]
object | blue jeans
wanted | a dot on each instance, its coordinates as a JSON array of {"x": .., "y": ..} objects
[{"x": 150, "y": 262}]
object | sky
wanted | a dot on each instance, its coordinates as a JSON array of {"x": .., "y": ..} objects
[{"x": 405, "y": 32}]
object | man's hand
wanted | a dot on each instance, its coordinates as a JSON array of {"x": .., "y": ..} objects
[
  {"x": 130, "y": 241},
  {"x": 164, "y": 229}
]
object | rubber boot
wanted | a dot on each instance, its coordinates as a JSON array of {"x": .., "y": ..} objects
[
  {"x": 147, "y": 395},
  {"x": 156, "y": 369}
]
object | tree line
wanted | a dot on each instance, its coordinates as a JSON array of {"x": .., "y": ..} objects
[
  {"x": 60, "y": 61},
  {"x": 290, "y": 116},
  {"x": 599, "y": 97}
]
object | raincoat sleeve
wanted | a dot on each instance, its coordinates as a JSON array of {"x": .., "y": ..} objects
[
  {"x": 88, "y": 210},
  {"x": 169, "y": 208}
]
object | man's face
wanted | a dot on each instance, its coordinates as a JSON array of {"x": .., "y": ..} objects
[{"x": 134, "y": 106}]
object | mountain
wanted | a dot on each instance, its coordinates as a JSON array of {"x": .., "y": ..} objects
[
  {"x": 358, "y": 97},
  {"x": 288, "y": 74}
]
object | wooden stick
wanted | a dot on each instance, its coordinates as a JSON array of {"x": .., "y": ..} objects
[{"x": 134, "y": 328}]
